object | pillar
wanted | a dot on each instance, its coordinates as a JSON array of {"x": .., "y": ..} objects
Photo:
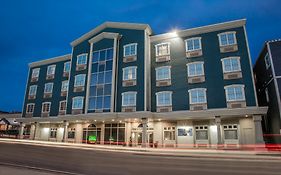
[
  {"x": 36, "y": 131},
  {"x": 32, "y": 131},
  {"x": 218, "y": 124},
  {"x": 22, "y": 125},
  {"x": 258, "y": 130},
  {"x": 144, "y": 132},
  {"x": 65, "y": 131}
]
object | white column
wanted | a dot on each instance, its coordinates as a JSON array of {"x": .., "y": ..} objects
[
  {"x": 78, "y": 133},
  {"x": 32, "y": 131},
  {"x": 37, "y": 131},
  {"x": 144, "y": 132},
  {"x": 258, "y": 130},
  {"x": 22, "y": 125},
  {"x": 218, "y": 124},
  {"x": 65, "y": 131}
]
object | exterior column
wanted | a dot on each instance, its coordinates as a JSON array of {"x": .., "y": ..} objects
[
  {"x": 258, "y": 130},
  {"x": 65, "y": 131},
  {"x": 22, "y": 125},
  {"x": 218, "y": 123},
  {"x": 36, "y": 131},
  {"x": 144, "y": 132},
  {"x": 32, "y": 131}
]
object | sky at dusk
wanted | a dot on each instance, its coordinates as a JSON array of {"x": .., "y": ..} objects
[{"x": 32, "y": 30}]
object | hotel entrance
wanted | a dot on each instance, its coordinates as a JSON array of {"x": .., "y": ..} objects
[
  {"x": 91, "y": 134},
  {"x": 136, "y": 136}
]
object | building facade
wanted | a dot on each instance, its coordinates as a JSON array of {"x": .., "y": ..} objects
[
  {"x": 124, "y": 85},
  {"x": 268, "y": 84}
]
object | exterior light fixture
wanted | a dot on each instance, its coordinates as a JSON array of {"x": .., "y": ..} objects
[
  {"x": 246, "y": 115},
  {"x": 112, "y": 120}
]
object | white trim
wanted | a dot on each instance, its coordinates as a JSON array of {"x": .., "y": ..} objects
[
  {"x": 193, "y": 63},
  {"x": 25, "y": 94},
  {"x": 89, "y": 77},
  {"x": 60, "y": 105},
  {"x": 33, "y": 70},
  {"x": 192, "y": 39},
  {"x": 68, "y": 62},
  {"x": 129, "y": 93},
  {"x": 78, "y": 97},
  {"x": 79, "y": 56},
  {"x": 161, "y": 44},
  {"x": 114, "y": 74},
  {"x": 50, "y": 67},
  {"x": 129, "y": 45},
  {"x": 67, "y": 94},
  {"x": 229, "y": 58},
  {"x": 62, "y": 85},
  {"x": 234, "y": 86},
  {"x": 75, "y": 79},
  {"x": 197, "y": 89},
  {"x": 50, "y": 60},
  {"x": 162, "y": 92},
  {"x": 169, "y": 71},
  {"x": 43, "y": 107},
  {"x": 51, "y": 88},
  {"x": 129, "y": 68},
  {"x": 27, "y": 108},
  {"x": 226, "y": 33},
  {"x": 35, "y": 90}
]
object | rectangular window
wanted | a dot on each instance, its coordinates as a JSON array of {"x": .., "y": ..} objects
[
  {"x": 82, "y": 59},
  {"x": 201, "y": 132},
  {"x": 227, "y": 38},
  {"x": 63, "y": 105},
  {"x": 46, "y": 106},
  {"x": 77, "y": 102},
  {"x": 64, "y": 86},
  {"x": 79, "y": 80},
  {"x": 48, "y": 88},
  {"x": 170, "y": 133},
  {"x": 197, "y": 95},
  {"x": 195, "y": 69},
  {"x": 66, "y": 67},
  {"x": 267, "y": 61},
  {"x": 130, "y": 49},
  {"x": 32, "y": 90},
  {"x": 193, "y": 44},
  {"x": 129, "y": 98},
  {"x": 129, "y": 73},
  {"x": 235, "y": 93},
  {"x": 163, "y": 73},
  {"x": 51, "y": 70},
  {"x": 35, "y": 73},
  {"x": 162, "y": 49},
  {"x": 164, "y": 98},
  {"x": 231, "y": 64},
  {"x": 53, "y": 133},
  {"x": 30, "y": 108},
  {"x": 230, "y": 132},
  {"x": 71, "y": 133}
]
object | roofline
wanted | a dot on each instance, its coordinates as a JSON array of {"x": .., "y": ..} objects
[
  {"x": 104, "y": 25},
  {"x": 50, "y": 60},
  {"x": 202, "y": 29}
]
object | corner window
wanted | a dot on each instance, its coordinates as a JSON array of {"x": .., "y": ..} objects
[
  {"x": 163, "y": 73},
  {"x": 32, "y": 90},
  {"x": 62, "y": 106},
  {"x": 130, "y": 49},
  {"x": 51, "y": 70},
  {"x": 235, "y": 93},
  {"x": 79, "y": 80},
  {"x": 195, "y": 69},
  {"x": 129, "y": 98},
  {"x": 66, "y": 67},
  {"x": 197, "y": 95},
  {"x": 64, "y": 86},
  {"x": 227, "y": 38},
  {"x": 35, "y": 73},
  {"x": 30, "y": 108},
  {"x": 46, "y": 106},
  {"x": 162, "y": 49},
  {"x": 170, "y": 133},
  {"x": 231, "y": 64},
  {"x": 193, "y": 44},
  {"x": 164, "y": 98},
  {"x": 267, "y": 61},
  {"x": 77, "y": 102},
  {"x": 82, "y": 59},
  {"x": 48, "y": 88},
  {"x": 129, "y": 73}
]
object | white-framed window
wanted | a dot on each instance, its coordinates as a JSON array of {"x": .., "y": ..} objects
[
  {"x": 79, "y": 80},
  {"x": 201, "y": 132},
  {"x": 77, "y": 102},
  {"x": 51, "y": 70},
  {"x": 32, "y": 90},
  {"x": 129, "y": 98},
  {"x": 162, "y": 49},
  {"x": 235, "y": 92},
  {"x": 53, "y": 133},
  {"x": 231, "y": 64},
  {"x": 267, "y": 61},
  {"x": 164, "y": 98},
  {"x": 62, "y": 106},
  {"x": 130, "y": 73},
  {"x": 266, "y": 94},
  {"x": 66, "y": 67},
  {"x": 193, "y": 44},
  {"x": 48, "y": 88},
  {"x": 227, "y": 38},
  {"x": 30, "y": 108},
  {"x": 197, "y": 95},
  {"x": 46, "y": 106},
  {"x": 64, "y": 86},
  {"x": 169, "y": 133},
  {"x": 230, "y": 132},
  {"x": 130, "y": 49},
  {"x": 82, "y": 59},
  {"x": 195, "y": 69},
  {"x": 35, "y": 73},
  {"x": 163, "y": 73}
]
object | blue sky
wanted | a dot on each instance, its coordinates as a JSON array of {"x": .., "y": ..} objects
[{"x": 32, "y": 30}]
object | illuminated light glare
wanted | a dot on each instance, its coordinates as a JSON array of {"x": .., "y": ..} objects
[
  {"x": 174, "y": 33},
  {"x": 120, "y": 121},
  {"x": 95, "y": 120},
  {"x": 112, "y": 120},
  {"x": 103, "y": 121},
  {"x": 246, "y": 115},
  {"x": 159, "y": 119}
]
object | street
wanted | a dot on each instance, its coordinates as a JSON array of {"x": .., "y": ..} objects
[{"x": 53, "y": 160}]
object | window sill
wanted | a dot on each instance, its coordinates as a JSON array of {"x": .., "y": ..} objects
[
  {"x": 79, "y": 89},
  {"x": 48, "y": 95},
  {"x": 31, "y": 97},
  {"x": 195, "y": 53},
  {"x": 232, "y": 75},
  {"x": 34, "y": 79},
  {"x": 45, "y": 114},
  {"x": 50, "y": 77},
  {"x": 196, "y": 79},
  {"x": 160, "y": 83},
  {"x": 236, "y": 104},
  {"x": 164, "y": 109},
  {"x": 63, "y": 93},
  {"x": 162, "y": 58},
  {"x": 62, "y": 112},
  {"x": 76, "y": 111},
  {"x": 65, "y": 74},
  {"x": 127, "y": 83},
  {"x": 229, "y": 48},
  {"x": 81, "y": 67},
  {"x": 128, "y": 59},
  {"x": 128, "y": 108},
  {"x": 198, "y": 107}
]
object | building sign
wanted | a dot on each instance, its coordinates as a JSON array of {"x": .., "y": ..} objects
[{"x": 184, "y": 132}]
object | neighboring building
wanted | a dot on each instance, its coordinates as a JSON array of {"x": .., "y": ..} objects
[
  {"x": 9, "y": 127},
  {"x": 122, "y": 84},
  {"x": 268, "y": 83}
]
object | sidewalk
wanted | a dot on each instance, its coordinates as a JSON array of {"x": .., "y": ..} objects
[{"x": 192, "y": 152}]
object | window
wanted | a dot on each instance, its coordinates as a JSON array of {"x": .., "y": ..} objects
[
  {"x": 231, "y": 64},
  {"x": 64, "y": 86},
  {"x": 235, "y": 93},
  {"x": 62, "y": 105},
  {"x": 162, "y": 49},
  {"x": 129, "y": 98},
  {"x": 193, "y": 44},
  {"x": 53, "y": 133},
  {"x": 129, "y": 73},
  {"x": 79, "y": 80},
  {"x": 227, "y": 38},
  {"x": 51, "y": 70},
  {"x": 267, "y": 61},
  {"x": 130, "y": 49},
  {"x": 30, "y": 108},
  {"x": 169, "y": 133},
  {"x": 201, "y": 132},
  {"x": 195, "y": 69},
  {"x": 32, "y": 90},
  {"x": 35, "y": 73},
  {"x": 71, "y": 133},
  {"x": 230, "y": 132},
  {"x": 77, "y": 102},
  {"x": 163, "y": 73},
  {"x": 82, "y": 59},
  {"x": 197, "y": 95},
  {"x": 48, "y": 88},
  {"x": 164, "y": 98},
  {"x": 66, "y": 67},
  {"x": 46, "y": 106}
]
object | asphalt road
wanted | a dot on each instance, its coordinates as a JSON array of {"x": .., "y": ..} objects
[{"x": 76, "y": 161}]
